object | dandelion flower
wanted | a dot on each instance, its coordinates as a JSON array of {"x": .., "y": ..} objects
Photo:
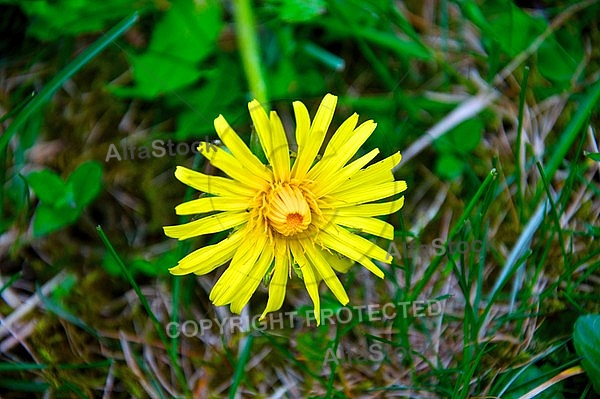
[{"x": 292, "y": 216}]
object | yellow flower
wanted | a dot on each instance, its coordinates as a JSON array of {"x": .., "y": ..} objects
[{"x": 288, "y": 216}]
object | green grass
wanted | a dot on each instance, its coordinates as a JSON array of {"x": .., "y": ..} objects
[{"x": 494, "y": 108}]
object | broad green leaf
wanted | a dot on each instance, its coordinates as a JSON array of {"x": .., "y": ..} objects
[
  {"x": 464, "y": 138},
  {"x": 586, "y": 338},
  {"x": 188, "y": 30},
  {"x": 47, "y": 186},
  {"x": 449, "y": 167},
  {"x": 205, "y": 102},
  {"x": 557, "y": 63},
  {"x": 514, "y": 29},
  {"x": 184, "y": 37},
  {"x": 467, "y": 136},
  {"x": 48, "y": 218},
  {"x": 158, "y": 73},
  {"x": 85, "y": 183}
]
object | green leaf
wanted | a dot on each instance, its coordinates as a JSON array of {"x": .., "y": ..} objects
[
  {"x": 527, "y": 380},
  {"x": 514, "y": 29},
  {"x": 184, "y": 37},
  {"x": 556, "y": 63},
  {"x": 158, "y": 73},
  {"x": 85, "y": 183},
  {"x": 188, "y": 30},
  {"x": 48, "y": 218},
  {"x": 55, "y": 19},
  {"x": 139, "y": 265},
  {"x": 462, "y": 139},
  {"x": 586, "y": 338},
  {"x": 206, "y": 101},
  {"x": 300, "y": 10},
  {"x": 145, "y": 267},
  {"x": 47, "y": 186},
  {"x": 466, "y": 136},
  {"x": 595, "y": 156},
  {"x": 449, "y": 167}
]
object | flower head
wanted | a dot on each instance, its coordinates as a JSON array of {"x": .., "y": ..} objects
[{"x": 301, "y": 215}]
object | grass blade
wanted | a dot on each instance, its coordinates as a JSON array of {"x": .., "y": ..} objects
[
  {"x": 240, "y": 367},
  {"x": 48, "y": 91},
  {"x": 159, "y": 328}
]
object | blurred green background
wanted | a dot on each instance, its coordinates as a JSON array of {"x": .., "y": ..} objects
[{"x": 493, "y": 104}]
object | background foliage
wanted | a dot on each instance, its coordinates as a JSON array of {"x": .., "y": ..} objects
[{"x": 493, "y": 105}]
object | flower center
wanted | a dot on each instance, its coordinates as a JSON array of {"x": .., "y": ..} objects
[{"x": 287, "y": 211}]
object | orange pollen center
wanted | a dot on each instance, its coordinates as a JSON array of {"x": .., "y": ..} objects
[
  {"x": 294, "y": 219},
  {"x": 287, "y": 210}
]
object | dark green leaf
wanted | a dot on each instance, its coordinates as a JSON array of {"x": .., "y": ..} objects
[
  {"x": 85, "y": 183},
  {"x": 556, "y": 63},
  {"x": 586, "y": 338},
  {"x": 14, "y": 385},
  {"x": 48, "y": 218},
  {"x": 527, "y": 380},
  {"x": 594, "y": 156}
]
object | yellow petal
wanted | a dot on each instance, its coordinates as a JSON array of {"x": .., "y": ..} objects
[
  {"x": 362, "y": 245},
  {"x": 312, "y": 286},
  {"x": 377, "y": 209},
  {"x": 211, "y": 204},
  {"x": 332, "y": 147},
  {"x": 262, "y": 126},
  {"x": 378, "y": 172},
  {"x": 302, "y": 122},
  {"x": 371, "y": 192},
  {"x": 365, "y": 225},
  {"x": 325, "y": 186},
  {"x": 226, "y": 288},
  {"x": 354, "y": 247},
  {"x": 309, "y": 277},
  {"x": 250, "y": 282},
  {"x": 221, "y": 159},
  {"x": 316, "y": 258},
  {"x": 213, "y": 184},
  {"x": 310, "y": 147},
  {"x": 207, "y": 225},
  {"x": 338, "y": 262},
  {"x": 339, "y": 153},
  {"x": 281, "y": 149},
  {"x": 278, "y": 283},
  {"x": 239, "y": 149},
  {"x": 206, "y": 259}
]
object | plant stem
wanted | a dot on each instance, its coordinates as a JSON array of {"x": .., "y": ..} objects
[{"x": 243, "y": 16}]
